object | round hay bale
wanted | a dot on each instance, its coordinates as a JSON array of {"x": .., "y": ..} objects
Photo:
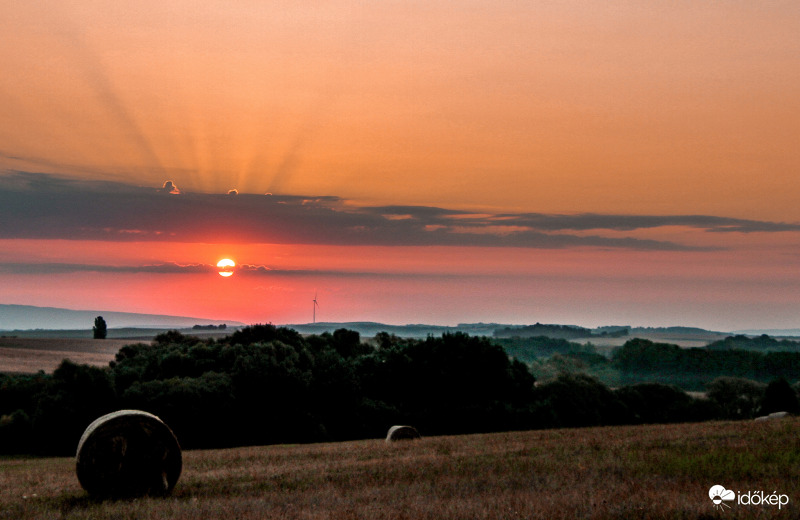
[
  {"x": 773, "y": 415},
  {"x": 128, "y": 453},
  {"x": 402, "y": 433}
]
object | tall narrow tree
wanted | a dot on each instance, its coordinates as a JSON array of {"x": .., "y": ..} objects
[{"x": 100, "y": 330}]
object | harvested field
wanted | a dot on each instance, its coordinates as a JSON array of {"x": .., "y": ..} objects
[
  {"x": 636, "y": 472},
  {"x": 29, "y": 355}
]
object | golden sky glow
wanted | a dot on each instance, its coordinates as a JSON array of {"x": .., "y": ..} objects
[
  {"x": 501, "y": 109},
  {"x": 558, "y": 106}
]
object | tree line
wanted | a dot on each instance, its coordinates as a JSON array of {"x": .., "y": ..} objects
[
  {"x": 693, "y": 368},
  {"x": 561, "y": 331},
  {"x": 265, "y": 384},
  {"x": 760, "y": 358}
]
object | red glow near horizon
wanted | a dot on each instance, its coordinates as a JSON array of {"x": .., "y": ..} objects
[{"x": 445, "y": 285}]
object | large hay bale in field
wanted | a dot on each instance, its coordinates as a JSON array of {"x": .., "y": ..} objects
[
  {"x": 402, "y": 433},
  {"x": 128, "y": 453}
]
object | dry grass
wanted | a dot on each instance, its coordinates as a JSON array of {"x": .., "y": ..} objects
[
  {"x": 29, "y": 355},
  {"x": 645, "y": 472}
]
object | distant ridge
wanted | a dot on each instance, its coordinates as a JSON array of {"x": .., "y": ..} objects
[
  {"x": 29, "y": 317},
  {"x": 368, "y": 328},
  {"x": 770, "y": 332}
]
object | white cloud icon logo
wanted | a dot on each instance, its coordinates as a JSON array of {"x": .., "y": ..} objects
[{"x": 719, "y": 495}]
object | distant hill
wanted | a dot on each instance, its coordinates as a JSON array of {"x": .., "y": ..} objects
[
  {"x": 369, "y": 329},
  {"x": 27, "y": 317},
  {"x": 76, "y": 322},
  {"x": 672, "y": 330},
  {"x": 609, "y": 335}
]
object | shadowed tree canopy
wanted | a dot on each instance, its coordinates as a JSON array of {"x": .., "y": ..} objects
[
  {"x": 265, "y": 384},
  {"x": 737, "y": 397}
]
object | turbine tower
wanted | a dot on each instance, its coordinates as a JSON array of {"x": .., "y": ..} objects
[{"x": 316, "y": 304}]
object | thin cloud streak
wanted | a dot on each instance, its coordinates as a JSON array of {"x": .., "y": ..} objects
[
  {"x": 45, "y": 206},
  {"x": 585, "y": 221},
  {"x": 65, "y": 268},
  {"x": 20, "y": 268}
]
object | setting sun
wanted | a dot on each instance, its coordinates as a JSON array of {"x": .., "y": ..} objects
[{"x": 226, "y": 266}]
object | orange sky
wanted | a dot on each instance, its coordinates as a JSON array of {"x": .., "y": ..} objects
[{"x": 614, "y": 108}]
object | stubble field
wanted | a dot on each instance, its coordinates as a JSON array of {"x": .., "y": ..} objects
[
  {"x": 29, "y": 355},
  {"x": 641, "y": 472}
]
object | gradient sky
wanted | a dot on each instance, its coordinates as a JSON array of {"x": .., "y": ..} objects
[{"x": 408, "y": 162}]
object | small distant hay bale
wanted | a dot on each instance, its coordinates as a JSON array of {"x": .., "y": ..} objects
[
  {"x": 128, "y": 453},
  {"x": 773, "y": 415},
  {"x": 402, "y": 433}
]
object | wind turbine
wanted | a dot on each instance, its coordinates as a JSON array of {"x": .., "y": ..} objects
[{"x": 316, "y": 304}]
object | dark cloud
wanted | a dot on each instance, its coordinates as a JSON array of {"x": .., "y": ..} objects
[
  {"x": 36, "y": 205},
  {"x": 582, "y": 221},
  {"x": 254, "y": 269},
  {"x": 590, "y": 221}
]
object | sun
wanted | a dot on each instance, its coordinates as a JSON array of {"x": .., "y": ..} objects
[{"x": 226, "y": 266}]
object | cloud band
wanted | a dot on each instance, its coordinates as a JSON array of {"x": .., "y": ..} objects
[{"x": 44, "y": 206}]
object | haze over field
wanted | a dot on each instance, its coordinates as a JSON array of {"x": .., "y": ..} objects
[
  {"x": 434, "y": 162},
  {"x": 24, "y": 317}
]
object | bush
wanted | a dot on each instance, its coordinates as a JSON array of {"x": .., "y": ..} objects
[
  {"x": 16, "y": 433},
  {"x": 737, "y": 398},
  {"x": 74, "y": 397},
  {"x": 578, "y": 400},
  {"x": 648, "y": 403}
]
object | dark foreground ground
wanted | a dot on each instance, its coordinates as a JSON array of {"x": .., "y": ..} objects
[{"x": 638, "y": 472}]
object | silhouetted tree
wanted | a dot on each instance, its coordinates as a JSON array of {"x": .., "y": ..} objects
[
  {"x": 348, "y": 343},
  {"x": 779, "y": 397},
  {"x": 100, "y": 330},
  {"x": 738, "y": 398}
]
